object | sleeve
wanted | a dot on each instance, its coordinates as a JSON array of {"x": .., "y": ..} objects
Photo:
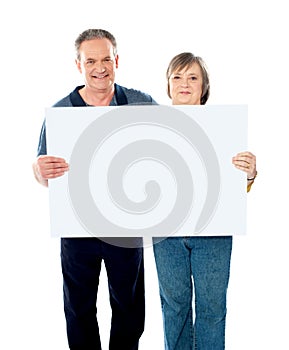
[
  {"x": 42, "y": 141},
  {"x": 251, "y": 182},
  {"x": 249, "y": 187}
]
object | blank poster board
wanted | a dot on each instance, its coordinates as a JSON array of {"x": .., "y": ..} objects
[{"x": 148, "y": 171}]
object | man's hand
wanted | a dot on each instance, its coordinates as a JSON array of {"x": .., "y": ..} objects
[{"x": 49, "y": 167}]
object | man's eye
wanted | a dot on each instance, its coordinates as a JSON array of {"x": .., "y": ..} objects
[{"x": 176, "y": 77}]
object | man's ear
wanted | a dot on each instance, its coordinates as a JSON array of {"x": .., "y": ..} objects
[
  {"x": 78, "y": 65},
  {"x": 116, "y": 61}
]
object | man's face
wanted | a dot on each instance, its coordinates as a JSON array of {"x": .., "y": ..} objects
[
  {"x": 97, "y": 64},
  {"x": 186, "y": 86}
]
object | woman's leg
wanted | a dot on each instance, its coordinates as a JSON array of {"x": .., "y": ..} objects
[
  {"x": 210, "y": 261},
  {"x": 175, "y": 286}
]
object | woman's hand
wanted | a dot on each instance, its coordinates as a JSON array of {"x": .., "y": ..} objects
[{"x": 246, "y": 161}]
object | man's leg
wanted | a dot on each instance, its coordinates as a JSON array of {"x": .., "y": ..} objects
[
  {"x": 81, "y": 264},
  {"x": 125, "y": 270}
]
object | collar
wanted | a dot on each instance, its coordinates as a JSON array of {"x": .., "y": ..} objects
[{"x": 119, "y": 97}]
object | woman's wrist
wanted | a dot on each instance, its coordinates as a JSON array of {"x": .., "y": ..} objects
[{"x": 252, "y": 178}]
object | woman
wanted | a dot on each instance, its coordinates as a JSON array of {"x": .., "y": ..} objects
[{"x": 195, "y": 267}]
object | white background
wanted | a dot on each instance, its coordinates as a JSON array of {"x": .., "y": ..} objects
[{"x": 245, "y": 46}]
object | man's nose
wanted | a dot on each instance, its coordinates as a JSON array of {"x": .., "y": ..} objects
[{"x": 100, "y": 67}]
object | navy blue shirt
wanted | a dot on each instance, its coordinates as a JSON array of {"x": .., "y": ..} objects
[{"x": 122, "y": 96}]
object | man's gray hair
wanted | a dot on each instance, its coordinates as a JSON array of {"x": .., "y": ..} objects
[{"x": 91, "y": 34}]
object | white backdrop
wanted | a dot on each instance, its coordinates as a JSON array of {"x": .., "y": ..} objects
[{"x": 244, "y": 46}]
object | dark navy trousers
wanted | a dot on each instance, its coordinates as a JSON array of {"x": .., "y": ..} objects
[{"x": 81, "y": 260}]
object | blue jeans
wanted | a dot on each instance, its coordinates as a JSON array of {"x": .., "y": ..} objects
[
  {"x": 81, "y": 260},
  {"x": 190, "y": 267}
]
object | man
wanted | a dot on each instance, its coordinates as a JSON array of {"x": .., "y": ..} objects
[{"x": 81, "y": 258}]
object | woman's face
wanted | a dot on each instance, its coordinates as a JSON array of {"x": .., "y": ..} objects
[{"x": 186, "y": 86}]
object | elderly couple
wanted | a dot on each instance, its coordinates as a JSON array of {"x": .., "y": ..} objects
[{"x": 186, "y": 266}]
